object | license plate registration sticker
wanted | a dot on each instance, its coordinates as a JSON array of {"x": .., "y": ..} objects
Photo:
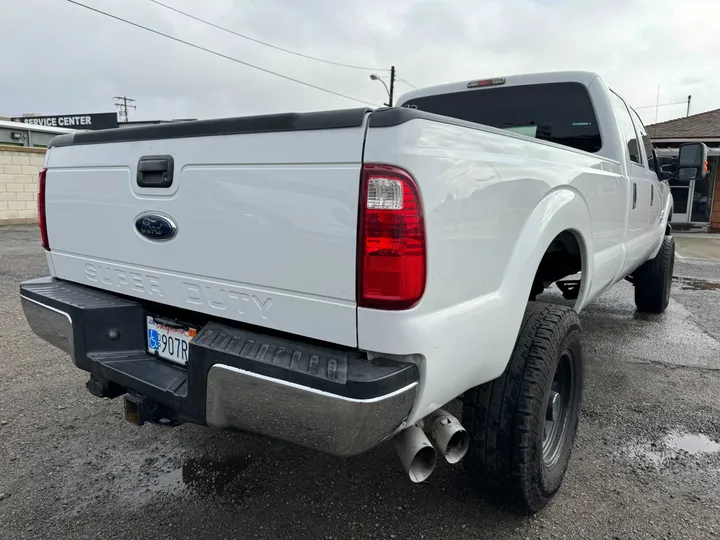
[{"x": 169, "y": 342}]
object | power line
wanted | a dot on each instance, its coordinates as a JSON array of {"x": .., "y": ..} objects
[
  {"x": 661, "y": 105},
  {"x": 403, "y": 80},
  {"x": 238, "y": 34},
  {"x": 226, "y": 57}
]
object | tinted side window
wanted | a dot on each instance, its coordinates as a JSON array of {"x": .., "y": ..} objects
[
  {"x": 642, "y": 132},
  {"x": 627, "y": 127},
  {"x": 558, "y": 112}
]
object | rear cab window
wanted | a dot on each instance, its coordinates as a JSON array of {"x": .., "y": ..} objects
[{"x": 562, "y": 113}]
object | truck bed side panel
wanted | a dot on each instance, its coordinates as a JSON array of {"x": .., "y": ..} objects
[{"x": 481, "y": 190}]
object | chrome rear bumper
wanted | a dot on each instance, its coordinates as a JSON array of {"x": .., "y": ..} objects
[
  {"x": 339, "y": 425},
  {"x": 331, "y": 400},
  {"x": 52, "y": 325}
]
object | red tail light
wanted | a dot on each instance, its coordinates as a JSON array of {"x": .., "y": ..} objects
[
  {"x": 41, "y": 210},
  {"x": 391, "y": 247}
]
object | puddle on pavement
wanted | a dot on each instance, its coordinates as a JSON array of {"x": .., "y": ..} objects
[
  {"x": 691, "y": 444},
  {"x": 673, "y": 447},
  {"x": 207, "y": 476},
  {"x": 693, "y": 284}
]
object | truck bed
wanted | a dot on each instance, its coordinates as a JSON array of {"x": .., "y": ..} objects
[{"x": 266, "y": 218}]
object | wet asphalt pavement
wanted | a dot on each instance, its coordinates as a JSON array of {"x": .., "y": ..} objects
[{"x": 646, "y": 463}]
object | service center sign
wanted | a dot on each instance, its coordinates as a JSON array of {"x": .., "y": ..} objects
[{"x": 75, "y": 121}]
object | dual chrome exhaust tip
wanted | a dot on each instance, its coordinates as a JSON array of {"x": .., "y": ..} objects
[{"x": 419, "y": 456}]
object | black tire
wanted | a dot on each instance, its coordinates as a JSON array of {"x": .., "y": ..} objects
[
  {"x": 653, "y": 279},
  {"x": 506, "y": 418}
]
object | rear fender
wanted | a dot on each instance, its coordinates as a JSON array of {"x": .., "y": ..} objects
[
  {"x": 470, "y": 344},
  {"x": 561, "y": 210}
]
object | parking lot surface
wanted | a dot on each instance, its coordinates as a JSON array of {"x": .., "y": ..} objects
[{"x": 646, "y": 463}]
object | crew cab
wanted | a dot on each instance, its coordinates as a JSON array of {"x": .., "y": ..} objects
[{"x": 333, "y": 279}]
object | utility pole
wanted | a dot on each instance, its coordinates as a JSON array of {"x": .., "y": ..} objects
[
  {"x": 392, "y": 85},
  {"x": 688, "y": 107},
  {"x": 657, "y": 104},
  {"x": 121, "y": 102},
  {"x": 390, "y": 91}
]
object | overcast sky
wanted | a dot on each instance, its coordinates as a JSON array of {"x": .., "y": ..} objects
[{"x": 58, "y": 58}]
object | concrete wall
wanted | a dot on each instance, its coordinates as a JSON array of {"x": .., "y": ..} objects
[{"x": 19, "y": 169}]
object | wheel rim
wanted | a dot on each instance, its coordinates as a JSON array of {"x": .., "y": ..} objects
[{"x": 558, "y": 410}]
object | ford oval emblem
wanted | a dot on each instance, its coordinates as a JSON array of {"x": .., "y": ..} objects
[{"x": 155, "y": 226}]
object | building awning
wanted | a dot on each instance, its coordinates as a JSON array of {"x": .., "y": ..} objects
[{"x": 672, "y": 148}]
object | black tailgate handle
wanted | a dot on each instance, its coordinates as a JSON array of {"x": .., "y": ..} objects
[{"x": 155, "y": 171}]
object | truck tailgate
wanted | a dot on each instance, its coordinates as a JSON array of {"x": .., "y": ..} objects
[{"x": 265, "y": 210}]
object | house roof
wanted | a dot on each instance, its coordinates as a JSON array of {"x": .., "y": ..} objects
[{"x": 698, "y": 126}]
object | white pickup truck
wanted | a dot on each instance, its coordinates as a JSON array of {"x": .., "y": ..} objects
[{"x": 333, "y": 279}]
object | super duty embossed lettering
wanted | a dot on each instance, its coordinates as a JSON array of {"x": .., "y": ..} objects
[
  {"x": 222, "y": 298},
  {"x": 123, "y": 280}
]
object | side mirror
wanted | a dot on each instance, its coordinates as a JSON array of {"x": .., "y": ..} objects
[{"x": 692, "y": 162}]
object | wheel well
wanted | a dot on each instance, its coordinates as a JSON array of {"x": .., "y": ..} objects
[{"x": 562, "y": 258}]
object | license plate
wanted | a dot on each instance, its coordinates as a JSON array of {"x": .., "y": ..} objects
[{"x": 169, "y": 342}]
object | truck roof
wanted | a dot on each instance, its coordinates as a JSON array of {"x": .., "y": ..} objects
[{"x": 582, "y": 77}]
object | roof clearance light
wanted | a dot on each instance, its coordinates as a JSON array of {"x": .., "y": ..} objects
[{"x": 486, "y": 82}]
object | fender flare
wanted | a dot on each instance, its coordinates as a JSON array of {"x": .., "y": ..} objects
[
  {"x": 665, "y": 222},
  {"x": 561, "y": 210},
  {"x": 667, "y": 214}
]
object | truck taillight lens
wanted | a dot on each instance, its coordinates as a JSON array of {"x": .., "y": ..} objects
[
  {"x": 41, "y": 209},
  {"x": 391, "y": 247}
]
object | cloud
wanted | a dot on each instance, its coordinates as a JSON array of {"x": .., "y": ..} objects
[{"x": 68, "y": 60}]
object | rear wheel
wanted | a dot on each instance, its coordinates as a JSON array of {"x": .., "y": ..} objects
[
  {"x": 522, "y": 425},
  {"x": 653, "y": 279}
]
